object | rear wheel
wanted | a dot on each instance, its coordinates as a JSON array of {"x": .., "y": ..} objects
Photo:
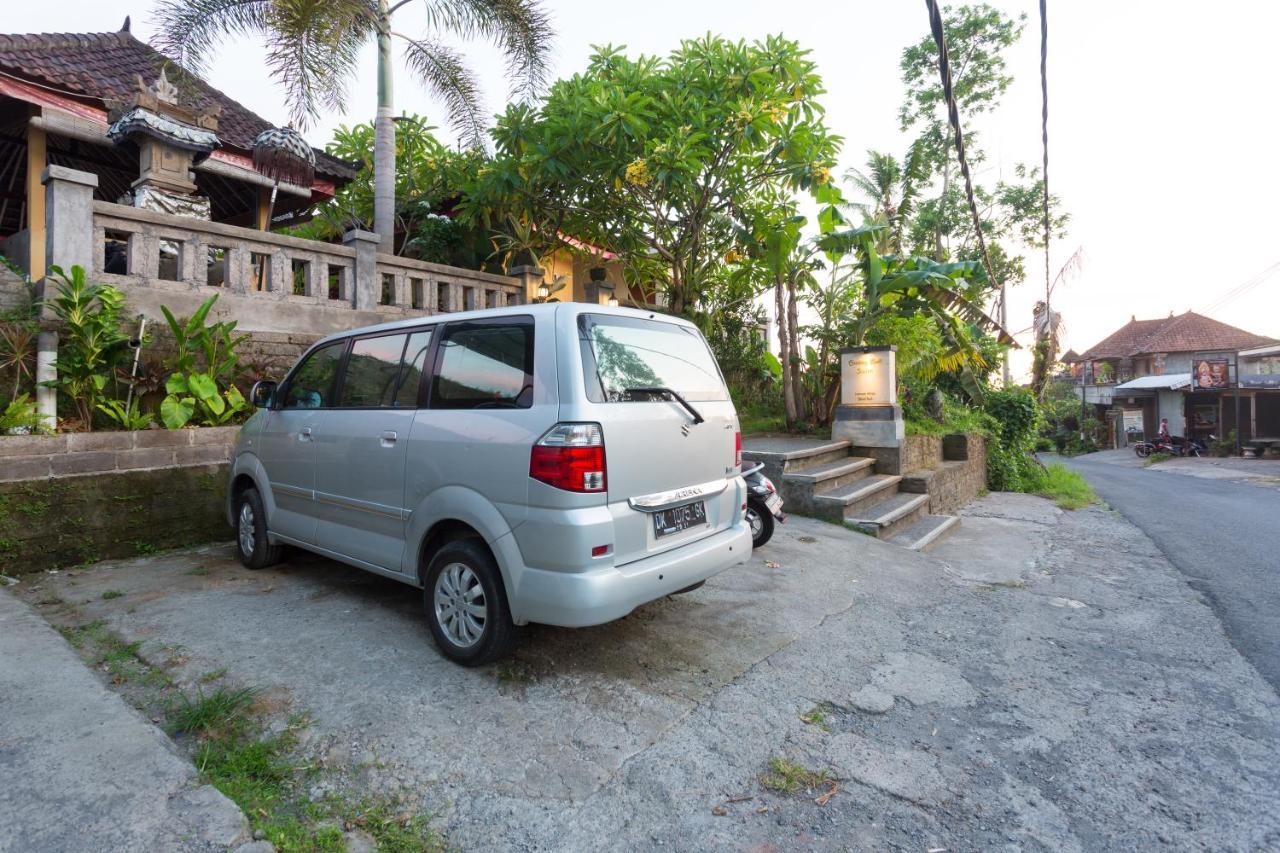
[
  {"x": 761, "y": 522},
  {"x": 466, "y": 604},
  {"x": 252, "y": 545},
  {"x": 1142, "y": 449}
]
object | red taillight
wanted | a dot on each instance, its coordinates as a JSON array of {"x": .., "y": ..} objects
[
  {"x": 737, "y": 450},
  {"x": 570, "y": 457}
]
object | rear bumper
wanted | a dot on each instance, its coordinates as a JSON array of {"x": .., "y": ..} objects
[{"x": 578, "y": 599}]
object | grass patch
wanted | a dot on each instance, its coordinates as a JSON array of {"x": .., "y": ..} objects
[
  {"x": 1157, "y": 458},
  {"x": 112, "y": 593},
  {"x": 223, "y": 711},
  {"x": 787, "y": 777},
  {"x": 816, "y": 716},
  {"x": 213, "y": 675},
  {"x": 1063, "y": 486}
]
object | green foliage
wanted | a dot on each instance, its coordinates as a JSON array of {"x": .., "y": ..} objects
[
  {"x": 90, "y": 344},
  {"x": 1225, "y": 446},
  {"x": 1062, "y": 485},
  {"x": 664, "y": 155},
  {"x": 1156, "y": 459},
  {"x": 957, "y": 417},
  {"x": 204, "y": 364},
  {"x": 20, "y": 415},
  {"x": 1011, "y": 465},
  {"x": 18, "y": 334},
  {"x": 130, "y": 418}
]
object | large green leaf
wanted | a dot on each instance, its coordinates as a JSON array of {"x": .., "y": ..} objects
[
  {"x": 176, "y": 411},
  {"x": 204, "y": 388},
  {"x": 176, "y": 384}
]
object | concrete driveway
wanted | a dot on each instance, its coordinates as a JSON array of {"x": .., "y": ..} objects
[{"x": 1043, "y": 680}]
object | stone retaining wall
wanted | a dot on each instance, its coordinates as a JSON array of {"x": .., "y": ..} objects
[
  {"x": 35, "y": 457},
  {"x": 75, "y": 498},
  {"x": 958, "y": 475}
]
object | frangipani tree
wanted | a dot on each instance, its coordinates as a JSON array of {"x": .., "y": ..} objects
[
  {"x": 313, "y": 51},
  {"x": 664, "y": 156}
]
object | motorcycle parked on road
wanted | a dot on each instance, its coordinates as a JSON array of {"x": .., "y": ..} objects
[
  {"x": 1174, "y": 446},
  {"x": 764, "y": 504}
]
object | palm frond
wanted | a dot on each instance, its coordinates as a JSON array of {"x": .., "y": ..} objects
[
  {"x": 313, "y": 48},
  {"x": 520, "y": 28},
  {"x": 441, "y": 70},
  {"x": 187, "y": 31}
]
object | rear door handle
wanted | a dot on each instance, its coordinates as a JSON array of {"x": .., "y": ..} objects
[
  {"x": 388, "y": 438},
  {"x": 304, "y": 434}
]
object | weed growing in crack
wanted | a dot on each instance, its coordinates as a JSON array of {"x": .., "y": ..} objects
[
  {"x": 112, "y": 593},
  {"x": 817, "y": 716},
  {"x": 787, "y": 777}
]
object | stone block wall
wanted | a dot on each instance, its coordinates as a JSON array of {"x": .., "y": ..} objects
[
  {"x": 956, "y": 475},
  {"x": 74, "y": 498}
]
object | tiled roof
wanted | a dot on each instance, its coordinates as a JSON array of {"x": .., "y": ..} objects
[
  {"x": 105, "y": 66},
  {"x": 1189, "y": 332}
]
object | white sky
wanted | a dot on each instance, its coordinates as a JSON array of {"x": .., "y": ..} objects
[{"x": 1163, "y": 124}]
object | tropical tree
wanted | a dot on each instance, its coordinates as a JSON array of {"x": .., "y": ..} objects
[
  {"x": 664, "y": 156},
  {"x": 313, "y": 50},
  {"x": 891, "y": 189}
]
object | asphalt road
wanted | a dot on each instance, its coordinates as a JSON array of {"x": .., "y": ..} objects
[{"x": 1223, "y": 535}]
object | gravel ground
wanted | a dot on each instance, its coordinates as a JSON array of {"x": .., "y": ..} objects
[{"x": 1041, "y": 680}]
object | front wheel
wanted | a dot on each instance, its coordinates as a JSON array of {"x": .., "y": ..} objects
[
  {"x": 466, "y": 604},
  {"x": 761, "y": 521},
  {"x": 252, "y": 545}
]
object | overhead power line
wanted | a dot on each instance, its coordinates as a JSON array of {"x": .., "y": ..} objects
[{"x": 1242, "y": 288}]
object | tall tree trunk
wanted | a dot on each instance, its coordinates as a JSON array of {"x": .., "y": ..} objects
[
  {"x": 784, "y": 353},
  {"x": 793, "y": 344},
  {"x": 384, "y": 140},
  {"x": 942, "y": 211}
]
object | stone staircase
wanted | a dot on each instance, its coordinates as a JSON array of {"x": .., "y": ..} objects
[{"x": 824, "y": 478}]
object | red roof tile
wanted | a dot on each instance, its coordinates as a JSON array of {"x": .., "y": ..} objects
[
  {"x": 1189, "y": 332},
  {"x": 102, "y": 66}
]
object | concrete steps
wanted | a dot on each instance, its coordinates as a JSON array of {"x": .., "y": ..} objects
[
  {"x": 857, "y": 496},
  {"x": 926, "y": 532},
  {"x": 819, "y": 477},
  {"x": 890, "y": 515}
]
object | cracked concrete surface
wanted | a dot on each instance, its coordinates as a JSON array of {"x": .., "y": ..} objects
[{"x": 1012, "y": 721}]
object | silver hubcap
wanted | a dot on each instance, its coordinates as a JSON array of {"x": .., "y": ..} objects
[
  {"x": 247, "y": 538},
  {"x": 757, "y": 523},
  {"x": 460, "y": 605}
]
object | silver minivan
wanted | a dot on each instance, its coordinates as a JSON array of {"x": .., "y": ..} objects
[{"x": 557, "y": 463}]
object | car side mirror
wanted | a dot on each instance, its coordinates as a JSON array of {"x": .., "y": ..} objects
[{"x": 263, "y": 393}]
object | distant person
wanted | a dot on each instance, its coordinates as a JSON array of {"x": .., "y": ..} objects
[{"x": 1164, "y": 431}]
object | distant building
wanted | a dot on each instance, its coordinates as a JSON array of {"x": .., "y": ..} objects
[{"x": 1182, "y": 368}]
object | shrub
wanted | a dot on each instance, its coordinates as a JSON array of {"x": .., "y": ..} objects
[
  {"x": 1010, "y": 464},
  {"x": 91, "y": 345},
  {"x": 1044, "y": 444},
  {"x": 205, "y": 391},
  {"x": 1223, "y": 446}
]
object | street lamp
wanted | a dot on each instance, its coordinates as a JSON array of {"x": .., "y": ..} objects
[{"x": 543, "y": 292}]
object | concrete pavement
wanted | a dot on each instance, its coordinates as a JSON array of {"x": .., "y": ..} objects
[
  {"x": 1042, "y": 681},
  {"x": 1221, "y": 531},
  {"x": 82, "y": 771}
]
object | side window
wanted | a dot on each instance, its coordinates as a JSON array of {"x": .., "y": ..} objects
[
  {"x": 372, "y": 370},
  {"x": 484, "y": 366},
  {"x": 415, "y": 358},
  {"x": 311, "y": 385}
]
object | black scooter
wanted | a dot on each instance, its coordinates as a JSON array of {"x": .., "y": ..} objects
[{"x": 764, "y": 504}]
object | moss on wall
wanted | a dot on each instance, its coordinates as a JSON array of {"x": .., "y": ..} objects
[{"x": 47, "y": 524}]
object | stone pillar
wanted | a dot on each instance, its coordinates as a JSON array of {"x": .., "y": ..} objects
[
  {"x": 530, "y": 278},
  {"x": 47, "y": 398},
  {"x": 869, "y": 414},
  {"x": 367, "y": 286},
  {"x": 68, "y": 217}
]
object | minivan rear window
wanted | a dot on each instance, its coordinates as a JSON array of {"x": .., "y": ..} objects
[{"x": 622, "y": 356}]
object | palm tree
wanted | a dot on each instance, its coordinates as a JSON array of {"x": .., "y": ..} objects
[
  {"x": 313, "y": 48},
  {"x": 891, "y": 188}
]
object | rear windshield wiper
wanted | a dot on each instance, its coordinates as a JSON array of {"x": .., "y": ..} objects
[{"x": 658, "y": 389}]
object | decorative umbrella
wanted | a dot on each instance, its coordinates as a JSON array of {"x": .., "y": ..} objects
[{"x": 281, "y": 154}]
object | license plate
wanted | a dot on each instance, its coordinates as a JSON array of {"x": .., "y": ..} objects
[
  {"x": 668, "y": 521},
  {"x": 773, "y": 502}
]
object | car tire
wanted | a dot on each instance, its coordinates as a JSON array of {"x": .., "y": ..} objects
[
  {"x": 760, "y": 520},
  {"x": 462, "y": 573},
  {"x": 253, "y": 546}
]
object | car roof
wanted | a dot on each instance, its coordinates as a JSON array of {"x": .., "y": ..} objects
[{"x": 573, "y": 308}]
